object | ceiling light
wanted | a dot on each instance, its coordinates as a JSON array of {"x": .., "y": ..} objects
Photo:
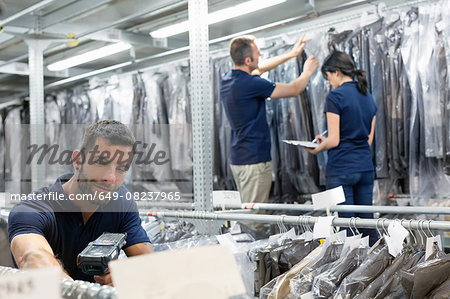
[
  {"x": 88, "y": 56},
  {"x": 218, "y": 16}
]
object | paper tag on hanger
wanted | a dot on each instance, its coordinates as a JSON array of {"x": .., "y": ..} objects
[
  {"x": 397, "y": 231},
  {"x": 194, "y": 273},
  {"x": 32, "y": 284},
  {"x": 307, "y": 236},
  {"x": 349, "y": 244},
  {"x": 429, "y": 250},
  {"x": 328, "y": 198},
  {"x": 365, "y": 241},
  {"x": 323, "y": 227},
  {"x": 226, "y": 197},
  {"x": 308, "y": 295},
  {"x": 338, "y": 237},
  {"x": 228, "y": 241}
]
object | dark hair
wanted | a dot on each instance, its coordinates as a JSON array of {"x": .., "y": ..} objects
[
  {"x": 241, "y": 48},
  {"x": 340, "y": 61},
  {"x": 112, "y": 130}
]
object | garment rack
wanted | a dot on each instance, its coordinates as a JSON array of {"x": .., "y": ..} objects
[
  {"x": 411, "y": 224},
  {"x": 309, "y": 208}
]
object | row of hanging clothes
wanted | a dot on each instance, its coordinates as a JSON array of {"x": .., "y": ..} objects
[
  {"x": 293, "y": 264},
  {"x": 406, "y": 56}
]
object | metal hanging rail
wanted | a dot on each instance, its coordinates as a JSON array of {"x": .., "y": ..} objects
[
  {"x": 308, "y": 220},
  {"x": 310, "y": 208}
]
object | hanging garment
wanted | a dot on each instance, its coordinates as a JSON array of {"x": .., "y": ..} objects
[
  {"x": 151, "y": 129},
  {"x": 326, "y": 283},
  {"x": 2, "y": 156},
  {"x": 221, "y": 170},
  {"x": 377, "y": 261},
  {"x": 278, "y": 287},
  {"x": 302, "y": 282},
  {"x": 13, "y": 152},
  {"x": 178, "y": 103},
  {"x": 441, "y": 292},
  {"x": 426, "y": 276}
]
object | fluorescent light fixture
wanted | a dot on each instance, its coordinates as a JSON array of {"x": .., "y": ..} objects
[
  {"x": 218, "y": 16},
  {"x": 88, "y": 56}
]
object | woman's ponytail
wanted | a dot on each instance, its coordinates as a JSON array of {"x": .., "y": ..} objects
[{"x": 362, "y": 81}]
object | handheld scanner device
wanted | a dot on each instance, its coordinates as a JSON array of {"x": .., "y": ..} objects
[{"x": 94, "y": 259}]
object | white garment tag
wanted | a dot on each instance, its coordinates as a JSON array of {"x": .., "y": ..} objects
[
  {"x": 365, "y": 241},
  {"x": 349, "y": 244},
  {"x": 235, "y": 229},
  {"x": 32, "y": 284},
  {"x": 429, "y": 247},
  {"x": 397, "y": 234},
  {"x": 194, "y": 273},
  {"x": 226, "y": 197},
  {"x": 323, "y": 227},
  {"x": 308, "y": 295},
  {"x": 328, "y": 198},
  {"x": 228, "y": 241},
  {"x": 339, "y": 236},
  {"x": 308, "y": 236}
]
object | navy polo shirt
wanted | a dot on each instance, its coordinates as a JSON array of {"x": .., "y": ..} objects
[
  {"x": 356, "y": 112},
  {"x": 243, "y": 97},
  {"x": 65, "y": 231}
]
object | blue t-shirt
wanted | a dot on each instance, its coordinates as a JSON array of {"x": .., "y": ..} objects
[
  {"x": 65, "y": 231},
  {"x": 356, "y": 112},
  {"x": 243, "y": 97}
]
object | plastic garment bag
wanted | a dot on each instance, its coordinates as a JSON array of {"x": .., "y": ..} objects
[
  {"x": 177, "y": 99},
  {"x": 441, "y": 292},
  {"x": 301, "y": 283},
  {"x": 326, "y": 283},
  {"x": 13, "y": 156},
  {"x": 2, "y": 157},
  {"x": 275, "y": 261},
  {"x": 389, "y": 279},
  {"x": 222, "y": 129},
  {"x": 444, "y": 24},
  {"x": 358, "y": 280},
  {"x": 317, "y": 91},
  {"x": 151, "y": 131},
  {"x": 278, "y": 287},
  {"x": 292, "y": 120},
  {"x": 426, "y": 276}
]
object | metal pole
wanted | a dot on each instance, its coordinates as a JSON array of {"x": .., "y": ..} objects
[
  {"x": 310, "y": 208},
  {"x": 202, "y": 104},
  {"x": 36, "y": 83},
  {"x": 295, "y": 220}
]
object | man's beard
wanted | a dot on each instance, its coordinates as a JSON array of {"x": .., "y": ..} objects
[{"x": 84, "y": 184}]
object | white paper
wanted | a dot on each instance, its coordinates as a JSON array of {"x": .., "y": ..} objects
[
  {"x": 197, "y": 273},
  {"x": 397, "y": 234},
  {"x": 429, "y": 246},
  {"x": 226, "y": 197},
  {"x": 323, "y": 227},
  {"x": 308, "y": 295},
  {"x": 307, "y": 144},
  {"x": 328, "y": 198},
  {"x": 228, "y": 241},
  {"x": 32, "y": 284}
]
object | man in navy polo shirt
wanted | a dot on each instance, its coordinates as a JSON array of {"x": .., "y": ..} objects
[
  {"x": 58, "y": 222},
  {"x": 243, "y": 93}
]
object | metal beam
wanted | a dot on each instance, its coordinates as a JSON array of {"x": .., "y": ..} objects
[
  {"x": 71, "y": 11},
  {"x": 26, "y": 11}
]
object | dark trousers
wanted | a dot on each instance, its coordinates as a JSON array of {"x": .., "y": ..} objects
[{"x": 358, "y": 190}]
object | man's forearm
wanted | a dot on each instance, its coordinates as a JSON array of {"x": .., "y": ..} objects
[
  {"x": 272, "y": 62},
  {"x": 301, "y": 82},
  {"x": 39, "y": 258}
]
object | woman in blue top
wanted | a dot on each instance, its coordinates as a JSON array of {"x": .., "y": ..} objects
[{"x": 350, "y": 111}]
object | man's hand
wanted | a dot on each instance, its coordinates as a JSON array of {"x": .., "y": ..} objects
[
  {"x": 298, "y": 47},
  {"x": 310, "y": 66},
  {"x": 104, "y": 279}
]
